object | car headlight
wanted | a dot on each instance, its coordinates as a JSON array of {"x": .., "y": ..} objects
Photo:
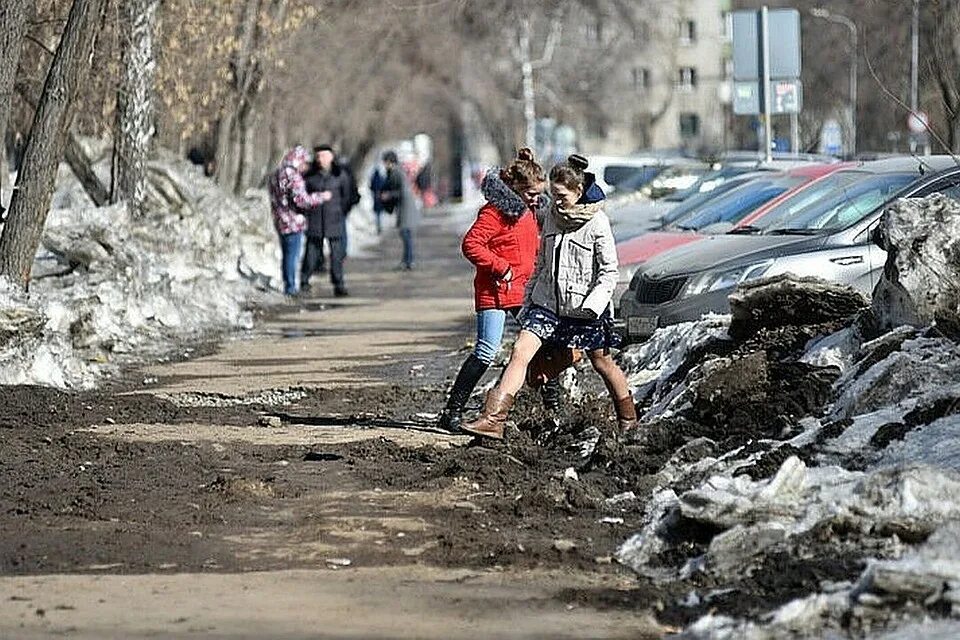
[{"x": 717, "y": 280}]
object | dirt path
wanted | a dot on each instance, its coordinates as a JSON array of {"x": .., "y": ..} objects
[{"x": 176, "y": 510}]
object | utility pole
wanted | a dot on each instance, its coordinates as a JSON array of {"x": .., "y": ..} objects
[
  {"x": 914, "y": 57},
  {"x": 765, "y": 83}
]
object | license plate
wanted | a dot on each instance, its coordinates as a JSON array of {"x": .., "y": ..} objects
[{"x": 642, "y": 326}]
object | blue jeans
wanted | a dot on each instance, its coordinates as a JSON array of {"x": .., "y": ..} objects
[
  {"x": 490, "y": 323},
  {"x": 290, "y": 244},
  {"x": 407, "y": 236}
]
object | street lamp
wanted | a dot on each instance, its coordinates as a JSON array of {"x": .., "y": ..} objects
[{"x": 826, "y": 14}]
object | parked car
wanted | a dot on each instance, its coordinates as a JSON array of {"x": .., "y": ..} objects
[
  {"x": 642, "y": 225},
  {"x": 829, "y": 238},
  {"x": 611, "y": 171},
  {"x": 676, "y": 178},
  {"x": 634, "y": 219},
  {"x": 718, "y": 215}
]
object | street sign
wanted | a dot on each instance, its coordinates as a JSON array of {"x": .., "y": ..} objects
[
  {"x": 784, "y": 26},
  {"x": 746, "y": 98},
  {"x": 917, "y": 122},
  {"x": 831, "y": 138},
  {"x": 787, "y": 96}
]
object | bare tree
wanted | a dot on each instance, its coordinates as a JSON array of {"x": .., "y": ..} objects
[
  {"x": 48, "y": 134},
  {"x": 944, "y": 42},
  {"x": 13, "y": 19},
  {"x": 135, "y": 103}
]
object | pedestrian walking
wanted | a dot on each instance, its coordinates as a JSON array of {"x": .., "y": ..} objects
[
  {"x": 567, "y": 302},
  {"x": 502, "y": 244},
  {"x": 398, "y": 197},
  {"x": 327, "y": 221},
  {"x": 377, "y": 180},
  {"x": 288, "y": 199}
]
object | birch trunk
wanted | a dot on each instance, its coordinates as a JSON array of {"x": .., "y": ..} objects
[
  {"x": 48, "y": 134},
  {"x": 135, "y": 103}
]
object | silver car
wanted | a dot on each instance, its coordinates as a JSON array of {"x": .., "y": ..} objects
[{"x": 829, "y": 239}]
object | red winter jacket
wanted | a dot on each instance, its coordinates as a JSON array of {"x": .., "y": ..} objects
[{"x": 504, "y": 237}]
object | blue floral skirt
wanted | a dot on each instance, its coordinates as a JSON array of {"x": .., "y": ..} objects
[{"x": 573, "y": 333}]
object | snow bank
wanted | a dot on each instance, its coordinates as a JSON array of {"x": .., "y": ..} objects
[
  {"x": 110, "y": 289},
  {"x": 922, "y": 275},
  {"x": 870, "y": 470}
]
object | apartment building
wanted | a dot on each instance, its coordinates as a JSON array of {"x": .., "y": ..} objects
[{"x": 672, "y": 86}]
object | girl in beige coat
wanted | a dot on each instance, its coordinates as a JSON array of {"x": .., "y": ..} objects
[{"x": 568, "y": 298}]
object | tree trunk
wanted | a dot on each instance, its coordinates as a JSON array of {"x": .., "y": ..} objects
[
  {"x": 48, "y": 134},
  {"x": 135, "y": 100},
  {"x": 13, "y": 20},
  {"x": 228, "y": 130}
]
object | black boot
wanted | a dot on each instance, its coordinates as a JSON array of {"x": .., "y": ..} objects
[
  {"x": 550, "y": 393},
  {"x": 471, "y": 371}
]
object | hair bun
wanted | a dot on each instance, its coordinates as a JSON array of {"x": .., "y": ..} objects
[
  {"x": 578, "y": 162},
  {"x": 525, "y": 153}
]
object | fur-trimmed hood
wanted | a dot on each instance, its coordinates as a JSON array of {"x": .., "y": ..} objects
[{"x": 497, "y": 193}]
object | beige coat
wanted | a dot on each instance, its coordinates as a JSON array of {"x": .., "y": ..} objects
[{"x": 581, "y": 276}]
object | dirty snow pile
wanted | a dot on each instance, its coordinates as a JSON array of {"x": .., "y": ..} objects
[
  {"x": 108, "y": 288},
  {"x": 812, "y": 477}
]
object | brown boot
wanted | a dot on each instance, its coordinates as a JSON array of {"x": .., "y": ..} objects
[
  {"x": 626, "y": 413},
  {"x": 491, "y": 421}
]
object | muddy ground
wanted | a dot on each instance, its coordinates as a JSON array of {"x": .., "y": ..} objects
[{"x": 304, "y": 446}]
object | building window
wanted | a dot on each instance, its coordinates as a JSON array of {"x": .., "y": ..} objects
[
  {"x": 688, "y": 32},
  {"x": 641, "y": 78},
  {"x": 641, "y": 32},
  {"x": 687, "y": 79},
  {"x": 689, "y": 125},
  {"x": 594, "y": 30}
]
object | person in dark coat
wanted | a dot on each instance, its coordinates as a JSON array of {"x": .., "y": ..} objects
[
  {"x": 327, "y": 221},
  {"x": 377, "y": 180},
  {"x": 397, "y": 196}
]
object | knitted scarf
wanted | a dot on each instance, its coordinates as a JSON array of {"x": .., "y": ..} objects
[{"x": 572, "y": 218}]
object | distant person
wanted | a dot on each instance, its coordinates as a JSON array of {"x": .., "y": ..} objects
[
  {"x": 398, "y": 197},
  {"x": 353, "y": 195},
  {"x": 502, "y": 244},
  {"x": 327, "y": 220},
  {"x": 568, "y": 300},
  {"x": 424, "y": 184},
  {"x": 377, "y": 180},
  {"x": 288, "y": 200}
]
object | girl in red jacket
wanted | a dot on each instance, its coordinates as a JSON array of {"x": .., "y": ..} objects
[{"x": 502, "y": 244}]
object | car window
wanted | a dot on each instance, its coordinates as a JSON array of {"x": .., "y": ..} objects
[
  {"x": 614, "y": 174},
  {"x": 949, "y": 187},
  {"x": 845, "y": 205},
  {"x": 694, "y": 203},
  {"x": 734, "y": 205},
  {"x": 815, "y": 191},
  {"x": 638, "y": 179}
]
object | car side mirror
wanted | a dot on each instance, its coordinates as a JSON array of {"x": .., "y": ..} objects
[{"x": 878, "y": 235}]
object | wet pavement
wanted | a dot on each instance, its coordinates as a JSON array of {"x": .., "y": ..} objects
[{"x": 290, "y": 485}]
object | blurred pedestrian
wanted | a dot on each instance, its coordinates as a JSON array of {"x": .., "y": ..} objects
[
  {"x": 398, "y": 197},
  {"x": 327, "y": 221},
  {"x": 377, "y": 180},
  {"x": 288, "y": 200},
  {"x": 502, "y": 244},
  {"x": 567, "y": 303}
]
